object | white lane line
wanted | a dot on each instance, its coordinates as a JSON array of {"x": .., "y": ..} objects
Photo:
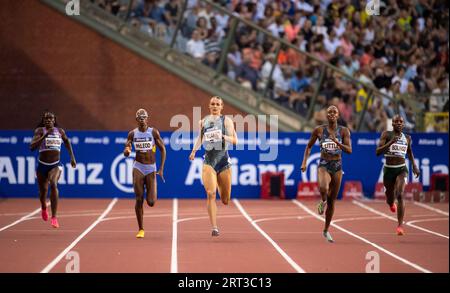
[
  {"x": 360, "y": 204},
  {"x": 405, "y": 261},
  {"x": 174, "y": 259},
  {"x": 206, "y": 217},
  {"x": 356, "y": 219},
  {"x": 274, "y": 244},
  {"x": 24, "y": 218},
  {"x": 280, "y": 218},
  {"x": 431, "y": 208},
  {"x": 428, "y": 220},
  {"x": 54, "y": 262},
  {"x": 134, "y": 217}
]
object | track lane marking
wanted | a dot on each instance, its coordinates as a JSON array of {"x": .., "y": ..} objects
[
  {"x": 271, "y": 241},
  {"x": 57, "y": 259},
  {"x": 405, "y": 261}
]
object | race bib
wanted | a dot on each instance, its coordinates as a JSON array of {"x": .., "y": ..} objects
[
  {"x": 400, "y": 149},
  {"x": 143, "y": 146},
  {"x": 213, "y": 135},
  {"x": 54, "y": 142},
  {"x": 330, "y": 145}
]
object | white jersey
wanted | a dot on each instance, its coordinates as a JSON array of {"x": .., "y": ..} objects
[
  {"x": 398, "y": 149},
  {"x": 143, "y": 141}
]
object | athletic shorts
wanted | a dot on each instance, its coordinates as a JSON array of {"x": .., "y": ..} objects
[
  {"x": 44, "y": 168},
  {"x": 145, "y": 169},
  {"x": 218, "y": 162},
  {"x": 332, "y": 166},
  {"x": 390, "y": 173}
]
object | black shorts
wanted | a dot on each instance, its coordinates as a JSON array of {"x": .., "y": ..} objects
[
  {"x": 390, "y": 173},
  {"x": 331, "y": 166}
]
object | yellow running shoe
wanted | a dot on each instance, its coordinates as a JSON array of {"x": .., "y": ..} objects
[{"x": 140, "y": 234}]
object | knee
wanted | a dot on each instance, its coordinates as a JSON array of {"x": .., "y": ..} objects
[
  {"x": 225, "y": 200},
  {"x": 139, "y": 201},
  {"x": 399, "y": 194},
  {"x": 211, "y": 195},
  {"x": 53, "y": 184},
  {"x": 323, "y": 189}
]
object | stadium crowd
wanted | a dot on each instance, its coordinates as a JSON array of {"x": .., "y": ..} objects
[{"x": 403, "y": 51}]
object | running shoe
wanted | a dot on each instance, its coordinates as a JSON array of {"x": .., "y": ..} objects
[
  {"x": 215, "y": 232},
  {"x": 44, "y": 214},
  {"x": 393, "y": 208},
  {"x": 400, "y": 231},
  {"x": 321, "y": 207},
  {"x": 54, "y": 222},
  {"x": 327, "y": 235},
  {"x": 140, "y": 234}
]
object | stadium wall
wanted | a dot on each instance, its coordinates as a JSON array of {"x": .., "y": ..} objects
[{"x": 91, "y": 83}]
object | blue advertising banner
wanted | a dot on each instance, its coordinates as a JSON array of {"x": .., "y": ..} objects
[{"x": 103, "y": 171}]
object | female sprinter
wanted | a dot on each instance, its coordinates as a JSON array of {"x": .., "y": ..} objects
[
  {"x": 144, "y": 139},
  {"x": 333, "y": 140},
  {"x": 216, "y": 131},
  {"x": 396, "y": 145},
  {"x": 48, "y": 137}
]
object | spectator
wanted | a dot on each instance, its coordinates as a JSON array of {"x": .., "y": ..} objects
[
  {"x": 246, "y": 75},
  {"x": 196, "y": 46}
]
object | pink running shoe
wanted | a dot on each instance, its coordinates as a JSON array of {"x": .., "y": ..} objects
[
  {"x": 400, "y": 231},
  {"x": 54, "y": 222},
  {"x": 44, "y": 215},
  {"x": 393, "y": 208}
]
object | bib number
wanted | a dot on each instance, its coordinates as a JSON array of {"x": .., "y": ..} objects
[
  {"x": 54, "y": 142},
  {"x": 213, "y": 135},
  {"x": 330, "y": 146},
  {"x": 398, "y": 149},
  {"x": 143, "y": 146}
]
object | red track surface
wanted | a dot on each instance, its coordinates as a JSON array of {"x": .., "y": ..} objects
[{"x": 292, "y": 241}]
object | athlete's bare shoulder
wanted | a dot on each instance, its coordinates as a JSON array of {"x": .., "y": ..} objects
[
  {"x": 131, "y": 134},
  {"x": 155, "y": 132},
  {"x": 318, "y": 130},
  {"x": 345, "y": 130},
  {"x": 38, "y": 131},
  {"x": 61, "y": 131}
]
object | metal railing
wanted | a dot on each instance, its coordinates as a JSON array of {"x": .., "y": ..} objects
[{"x": 323, "y": 67}]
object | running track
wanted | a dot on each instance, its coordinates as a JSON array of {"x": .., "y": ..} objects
[{"x": 279, "y": 236}]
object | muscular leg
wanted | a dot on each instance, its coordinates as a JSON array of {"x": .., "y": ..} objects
[
  {"x": 389, "y": 186},
  {"x": 138, "y": 185},
  {"x": 209, "y": 178},
  {"x": 53, "y": 177},
  {"x": 150, "y": 183},
  {"x": 324, "y": 183},
  {"x": 398, "y": 193},
  {"x": 224, "y": 185},
  {"x": 335, "y": 184},
  {"x": 43, "y": 189}
]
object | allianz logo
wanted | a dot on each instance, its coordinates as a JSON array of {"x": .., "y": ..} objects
[
  {"x": 437, "y": 142},
  {"x": 96, "y": 140},
  {"x": 365, "y": 141},
  {"x": 305, "y": 141},
  {"x": 22, "y": 170},
  {"x": 8, "y": 140}
]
